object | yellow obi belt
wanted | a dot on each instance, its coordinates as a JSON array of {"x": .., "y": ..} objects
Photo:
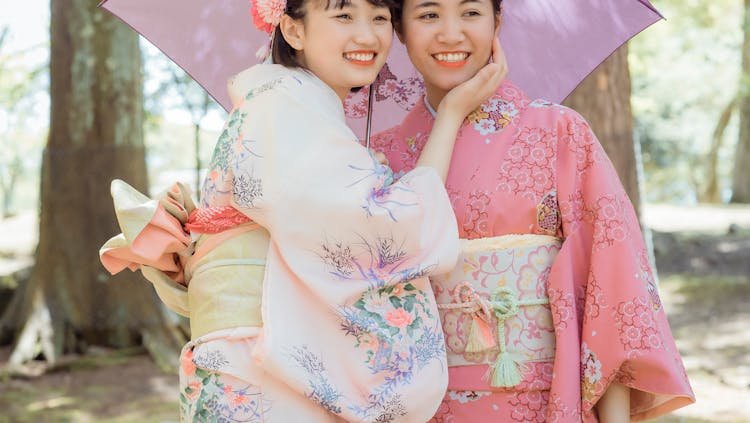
[
  {"x": 494, "y": 306},
  {"x": 226, "y": 279}
]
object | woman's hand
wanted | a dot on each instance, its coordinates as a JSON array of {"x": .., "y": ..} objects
[
  {"x": 466, "y": 97},
  {"x": 455, "y": 106}
]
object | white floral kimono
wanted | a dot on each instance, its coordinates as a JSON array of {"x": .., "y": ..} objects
[{"x": 349, "y": 319}]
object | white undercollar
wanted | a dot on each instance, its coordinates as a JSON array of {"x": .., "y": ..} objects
[{"x": 429, "y": 108}]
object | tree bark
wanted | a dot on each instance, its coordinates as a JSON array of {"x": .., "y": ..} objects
[
  {"x": 741, "y": 174},
  {"x": 603, "y": 98},
  {"x": 96, "y": 135},
  {"x": 712, "y": 191}
]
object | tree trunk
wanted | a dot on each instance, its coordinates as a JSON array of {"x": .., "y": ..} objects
[
  {"x": 712, "y": 191},
  {"x": 741, "y": 174},
  {"x": 603, "y": 98},
  {"x": 96, "y": 134}
]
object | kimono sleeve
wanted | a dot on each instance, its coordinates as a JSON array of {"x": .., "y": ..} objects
[
  {"x": 604, "y": 269},
  {"x": 299, "y": 170}
]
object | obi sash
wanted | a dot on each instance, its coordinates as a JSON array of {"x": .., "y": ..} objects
[
  {"x": 205, "y": 264},
  {"x": 495, "y": 310}
]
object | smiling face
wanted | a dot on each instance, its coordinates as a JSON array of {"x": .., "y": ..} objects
[
  {"x": 448, "y": 41},
  {"x": 343, "y": 46}
]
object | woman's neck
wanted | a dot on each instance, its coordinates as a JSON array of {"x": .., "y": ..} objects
[{"x": 434, "y": 95}]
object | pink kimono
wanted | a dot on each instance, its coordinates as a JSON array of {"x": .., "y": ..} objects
[{"x": 553, "y": 298}]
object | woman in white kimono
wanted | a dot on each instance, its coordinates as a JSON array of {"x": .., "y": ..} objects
[{"x": 348, "y": 326}]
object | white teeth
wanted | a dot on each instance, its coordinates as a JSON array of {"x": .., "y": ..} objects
[
  {"x": 359, "y": 57},
  {"x": 451, "y": 57}
]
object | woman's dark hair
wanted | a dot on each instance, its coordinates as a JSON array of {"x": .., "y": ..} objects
[
  {"x": 283, "y": 54},
  {"x": 398, "y": 10}
]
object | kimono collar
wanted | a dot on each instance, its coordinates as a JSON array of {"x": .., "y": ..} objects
[
  {"x": 507, "y": 91},
  {"x": 257, "y": 76},
  {"x": 428, "y": 106}
]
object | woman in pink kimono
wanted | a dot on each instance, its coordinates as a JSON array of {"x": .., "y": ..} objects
[
  {"x": 552, "y": 313},
  {"x": 342, "y": 324}
]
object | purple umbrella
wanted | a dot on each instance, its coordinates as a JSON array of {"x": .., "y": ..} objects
[{"x": 550, "y": 45}]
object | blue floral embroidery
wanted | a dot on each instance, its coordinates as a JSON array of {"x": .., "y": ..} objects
[
  {"x": 206, "y": 397},
  {"x": 378, "y": 197},
  {"x": 388, "y": 323},
  {"x": 322, "y": 392},
  {"x": 379, "y": 262},
  {"x": 266, "y": 87},
  {"x": 246, "y": 189}
]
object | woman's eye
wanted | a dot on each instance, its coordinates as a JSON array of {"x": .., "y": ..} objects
[
  {"x": 344, "y": 17},
  {"x": 428, "y": 16},
  {"x": 472, "y": 13},
  {"x": 382, "y": 18}
]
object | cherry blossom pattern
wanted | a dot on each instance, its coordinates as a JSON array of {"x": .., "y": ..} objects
[
  {"x": 529, "y": 168},
  {"x": 636, "y": 324}
]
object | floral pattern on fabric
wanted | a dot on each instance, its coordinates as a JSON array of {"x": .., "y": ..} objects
[
  {"x": 383, "y": 321},
  {"x": 591, "y": 373},
  {"x": 595, "y": 300},
  {"x": 548, "y": 215},
  {"x": 493, "y": 116},
  {"x": 404, "y": 92},
  {"x": 529, "y": 406},
  {"x": 207, "y": 394},
  {"x": 321, "y": 391},
  {"x": 476, "y": 220},
  {"x": 529, "y": 170},
  {"x": 637, "y": 327}
]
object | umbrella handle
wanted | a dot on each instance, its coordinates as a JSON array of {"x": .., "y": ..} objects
[{"x": 369, "y": 116}]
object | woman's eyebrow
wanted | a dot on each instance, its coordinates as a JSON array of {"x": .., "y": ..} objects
[
  {"x": 432, "y": 3},
  {"x": 428, "y": 3}
]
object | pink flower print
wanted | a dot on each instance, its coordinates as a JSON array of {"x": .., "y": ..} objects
[
  {"x": 399, "y": 318},
  {"x": 593, "y": 370},
  {"x": 617, "y": 233},
  {"x": 368, "y": 341},
  {"x": 193, "y": 390},
  {"x": 533, "y": 330},
  {"x": 444, "y": 413},
  {"x": 239, "y": 399},
  {"x": 228, "y": 389},
  {"x": 517, "y": 152},
  {"x": 485, "y": 126},
  {"x": 187, "y": 364},
  {"x": 388, "y": 87},
  {"x": 398, "y": 289},
  {"x": 531, "y": 136}
]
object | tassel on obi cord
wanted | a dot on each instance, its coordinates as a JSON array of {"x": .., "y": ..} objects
[
  {"x": 506, "y": 370},
  {"x": 481, "y": 337}
]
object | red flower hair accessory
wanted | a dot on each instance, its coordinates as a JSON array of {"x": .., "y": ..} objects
[{"x": 267, "y": 14}]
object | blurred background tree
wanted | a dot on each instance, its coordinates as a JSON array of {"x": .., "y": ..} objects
[
  {"x": 96, "y": 135},
  {"x": 741, "y": 176}
]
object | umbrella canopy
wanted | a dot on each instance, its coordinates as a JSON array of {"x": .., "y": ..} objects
[{"x": 550, "y": 45}]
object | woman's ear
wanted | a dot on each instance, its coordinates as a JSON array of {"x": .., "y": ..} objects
[
  {"x": 498, "y": 22},
  {"x": 293, "y": 32}
]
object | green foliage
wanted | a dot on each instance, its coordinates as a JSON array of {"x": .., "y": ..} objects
[
  {"x": 685, "y": 70},
  {"x": 23, "y": 85}
]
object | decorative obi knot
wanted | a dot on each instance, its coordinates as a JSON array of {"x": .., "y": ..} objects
[{"x": 494, "y": 305}]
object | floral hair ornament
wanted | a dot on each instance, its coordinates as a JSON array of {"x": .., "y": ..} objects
[{"x": 266, "y": 17}]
